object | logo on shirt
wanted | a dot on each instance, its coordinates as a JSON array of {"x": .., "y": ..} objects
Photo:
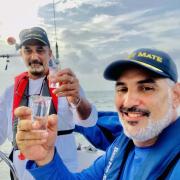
[{"x": 115, "y": 150}]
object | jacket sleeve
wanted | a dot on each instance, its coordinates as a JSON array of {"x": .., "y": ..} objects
[
  {"x": 91, "y": 120},
  {"x": 5, "y": 113},
  {"x": 57, "y": 170},
  {"x": 104, "y": 132}
]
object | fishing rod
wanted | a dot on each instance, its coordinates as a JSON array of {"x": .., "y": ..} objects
[{"x": 56, "y": 59}]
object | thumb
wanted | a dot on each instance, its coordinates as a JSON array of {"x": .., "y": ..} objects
[{"x": 52, "y": 122}]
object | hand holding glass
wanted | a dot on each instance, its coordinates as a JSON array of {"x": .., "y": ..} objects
[{"x": 40, "y": 106}]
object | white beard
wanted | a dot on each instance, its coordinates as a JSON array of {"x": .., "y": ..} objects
[{"x": 154, "y": 128}]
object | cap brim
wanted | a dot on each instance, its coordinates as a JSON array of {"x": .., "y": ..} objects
[
  {"x": 31, "y": 39},
  {"x": 115, "y": 69}
]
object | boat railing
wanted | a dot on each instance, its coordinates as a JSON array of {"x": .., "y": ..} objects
[{"x": 5, "y": 158}]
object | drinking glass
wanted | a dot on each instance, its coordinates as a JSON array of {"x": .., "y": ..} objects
[
  {"x": 53, "y": 69},
  {"x": 40, "y": 106}
]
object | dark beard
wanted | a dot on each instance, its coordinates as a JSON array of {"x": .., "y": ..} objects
[
  {"x": 37, "y": 74},
  {"x": 35, "y": 62},
  {"x": 134, "y": 109}
]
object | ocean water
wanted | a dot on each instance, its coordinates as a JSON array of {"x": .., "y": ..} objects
[{"x": 104, "y": 101}]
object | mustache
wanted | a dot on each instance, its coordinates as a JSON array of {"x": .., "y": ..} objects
[
  {"x": 35, "y": 62},
  {"x": 135, "y": 109}
]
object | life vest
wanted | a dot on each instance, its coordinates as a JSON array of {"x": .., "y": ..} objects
[
  {"x": 20, "y": 85},
  {"x": 20, "y": 89},
  {"x": 161, "y": 159}
]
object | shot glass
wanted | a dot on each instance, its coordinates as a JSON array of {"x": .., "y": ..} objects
[
  {"x": 40, "y": 106},
  {"x": 52, "y": 75},
  {"x": 53, "y": 69}
]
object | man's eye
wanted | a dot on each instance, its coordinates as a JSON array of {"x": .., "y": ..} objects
[
  {"x": 27, "y": 50},
  {"x": 121, "y": 89},
  {"x": 147, "y": 88}
]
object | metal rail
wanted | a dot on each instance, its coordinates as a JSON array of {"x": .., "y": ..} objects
[{"x": 5, "y": 158}]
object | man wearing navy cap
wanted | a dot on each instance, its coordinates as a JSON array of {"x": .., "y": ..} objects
[
  {"x": 147, "y": 98},
  {"x": 68, "y": 100}
]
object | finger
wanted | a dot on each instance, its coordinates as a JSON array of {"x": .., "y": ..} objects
[
  {"x": 67, "y": 71},
  {"x": 65, "y": 78},
  {"x": 31, "y": 135},
  {"x": 25, "y": 125},
  {"x": 22, "y": 145},
  {"x": 72, "y": 93},
  {"x": 66, "y": 87},
  {"x": 23, "y": 112}
]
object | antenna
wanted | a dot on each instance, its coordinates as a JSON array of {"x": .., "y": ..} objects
[
  {"x": 54, "y": 13},
  {"x": 55, "y": 31}
]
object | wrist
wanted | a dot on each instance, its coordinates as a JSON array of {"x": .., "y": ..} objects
[
  {"x": 49, "y": 157},
  {"x": 76, "y": 103}
]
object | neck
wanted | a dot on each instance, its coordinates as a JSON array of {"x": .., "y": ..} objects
[
  {"x": 34, "y": 77},
  {"x": 147, "y": 143}
]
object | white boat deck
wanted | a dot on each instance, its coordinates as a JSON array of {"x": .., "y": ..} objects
[{"x": 86, "y": 158}]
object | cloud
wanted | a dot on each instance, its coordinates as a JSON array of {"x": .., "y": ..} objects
[
  {"x": 74, "y": 4},
  {"x": 92, "y": 33}
]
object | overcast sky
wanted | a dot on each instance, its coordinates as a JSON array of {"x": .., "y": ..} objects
[{"x": 93, "y": 33}]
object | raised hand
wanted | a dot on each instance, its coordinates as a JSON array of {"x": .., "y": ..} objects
[
  {"x": 69, "y": 86},
  {"x": 35, "y": 144}
]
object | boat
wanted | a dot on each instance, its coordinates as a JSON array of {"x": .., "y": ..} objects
[{"x": 86, "y": 154}]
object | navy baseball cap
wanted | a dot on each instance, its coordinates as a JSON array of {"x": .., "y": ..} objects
[
  {"x": 155, "y": 61},
  {"x": 34, "y": 33}
]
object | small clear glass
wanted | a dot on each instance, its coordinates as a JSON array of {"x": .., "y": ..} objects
[
  {"x": 53, "y": 69},
  {"x": 40, "y": 106}
]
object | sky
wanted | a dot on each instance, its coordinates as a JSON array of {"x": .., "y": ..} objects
[{"x": 92, "y": 33}]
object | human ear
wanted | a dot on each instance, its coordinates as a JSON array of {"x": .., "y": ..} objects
[{"x": 176, "y": 95}]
